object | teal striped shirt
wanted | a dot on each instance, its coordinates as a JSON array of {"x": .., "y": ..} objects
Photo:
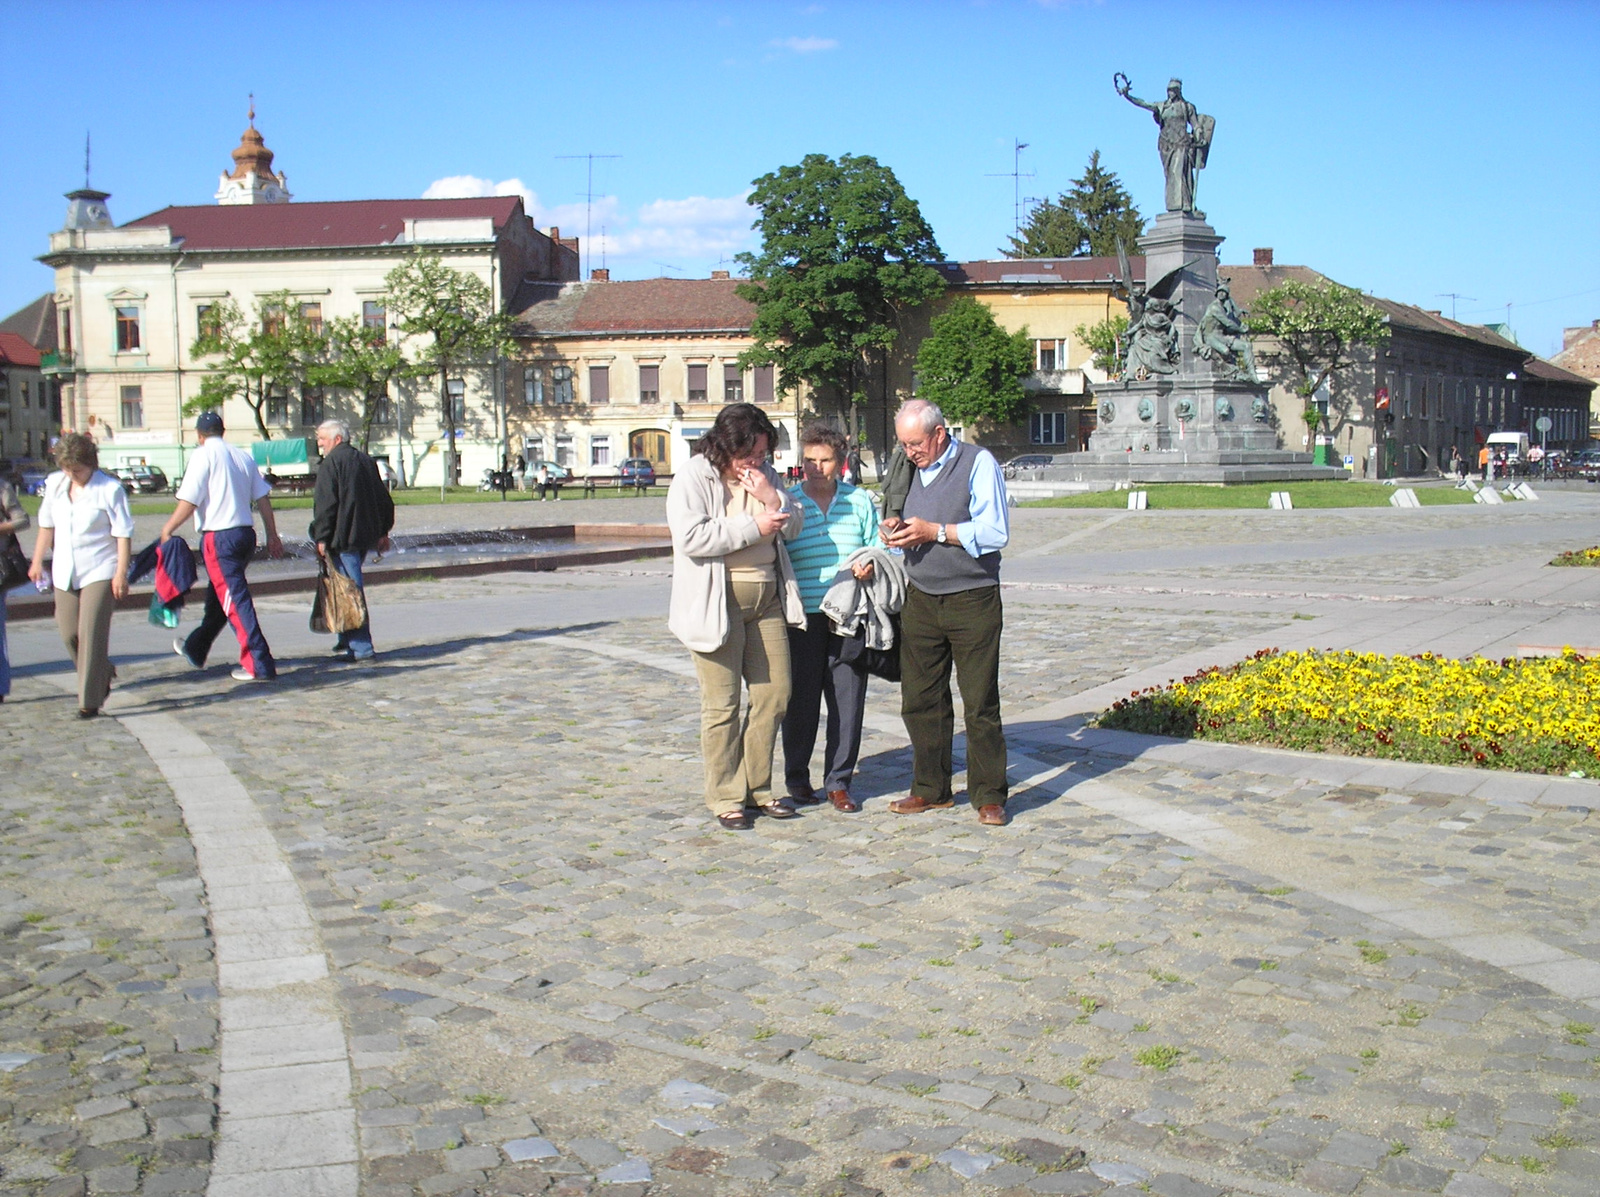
[{"x": 825, "y": 541}]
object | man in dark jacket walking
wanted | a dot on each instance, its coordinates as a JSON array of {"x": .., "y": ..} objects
[{"x": 352, "y": 516}]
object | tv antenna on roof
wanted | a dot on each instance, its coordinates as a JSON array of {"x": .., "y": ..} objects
[
  {"x": 588, "y": 201},
  {"x": 1016, "y": 175},
  {"x": 86, "y": 186},
  {"x": 666, "y": 266},
  {"x": 1452, "y": 296}
]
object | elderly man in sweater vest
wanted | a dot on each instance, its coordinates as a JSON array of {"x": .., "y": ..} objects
[{"x": 952, "y": 530}]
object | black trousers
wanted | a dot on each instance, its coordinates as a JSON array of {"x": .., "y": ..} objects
[
  {"x": 817, "y": 676},
  {"x": 938, "y": 631}
]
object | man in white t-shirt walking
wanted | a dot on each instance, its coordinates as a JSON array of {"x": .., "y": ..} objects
[{"x": 220, "y": 486}]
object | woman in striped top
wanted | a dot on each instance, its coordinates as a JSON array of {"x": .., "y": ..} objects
[{"x": 839, "y": 519}]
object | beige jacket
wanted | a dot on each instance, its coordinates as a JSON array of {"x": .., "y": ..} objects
[{"x": 702, "y": 534}]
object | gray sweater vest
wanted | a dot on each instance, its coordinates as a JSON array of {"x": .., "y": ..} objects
[{"x": 948, "y": 568}]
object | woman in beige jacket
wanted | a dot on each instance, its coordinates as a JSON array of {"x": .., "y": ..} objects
[{"x": 733, "y": 597}]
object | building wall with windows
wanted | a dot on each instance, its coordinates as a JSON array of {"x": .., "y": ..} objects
[
  {"x": 30, "y": 399},
  {"x": 1435, "y": 386},
  {"x": 611, "y": 370},
  {"x": 1051, "y": 298},
  {"x": 131, "y": 301}
]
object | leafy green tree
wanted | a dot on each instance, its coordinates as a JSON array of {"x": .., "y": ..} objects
[
  {"x": 844, "y": 253},
  {"x": 1315, "y": 329},
  {"x": 266, "y": 354},
  {"x": 971, "y": 367},
  {"x": 1088, "y": 219},
  {"x": 461, "y": 325},
  {"x": 360, "y": 359},
  {"x": 1104, "y": 339}
]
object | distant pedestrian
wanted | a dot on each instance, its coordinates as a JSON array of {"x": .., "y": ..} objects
[
  {"x": 220, "y": 487},
  {"x": 1455, "y": 461},
  {"x": 953, "y": 528},
  {"x": 90, "y": 563},
  {"x": 733, "y": 594},
  {"x": 543, "y": 476},
  {"x": 351, "y": 516},
  {"x": 13, "y": 519}
]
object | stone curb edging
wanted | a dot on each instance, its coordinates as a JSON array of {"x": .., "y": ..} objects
[
  {"x": 43, "y": 606},
  {"x": 286, "y": 1123}
]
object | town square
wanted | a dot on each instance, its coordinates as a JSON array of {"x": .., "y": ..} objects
[{"x": 508, "y": 694}]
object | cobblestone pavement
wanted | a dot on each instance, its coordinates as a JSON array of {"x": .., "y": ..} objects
[{"x": 1175, "y": 972}]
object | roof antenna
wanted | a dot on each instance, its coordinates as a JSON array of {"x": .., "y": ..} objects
[{"x": 86, "y": 160}]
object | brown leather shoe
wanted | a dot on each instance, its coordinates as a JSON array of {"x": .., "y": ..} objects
[
  {"x": 993, "y": 815},
  {"x": 915, "y": 805},
  {"x": 842, "y": 802}
]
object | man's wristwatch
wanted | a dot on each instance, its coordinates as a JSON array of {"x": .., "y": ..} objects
[{"x": 942, "y": 538}]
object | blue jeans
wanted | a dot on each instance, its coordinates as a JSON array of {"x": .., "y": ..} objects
[
  {"x": 5, "y": 658},
  {"x": 359, "y": 641}
]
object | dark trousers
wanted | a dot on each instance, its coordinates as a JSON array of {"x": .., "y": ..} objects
[
  {"x": 817, "y": 676},
  {"x": 226, "y": 553},
  {"x": 936, "y": 632}
]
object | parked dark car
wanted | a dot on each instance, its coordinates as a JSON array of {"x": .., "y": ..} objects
[
  {"x": 1027, "y": 461},
  {"x": 636, "y": 472},
  {"x": 142, "y": 479}
]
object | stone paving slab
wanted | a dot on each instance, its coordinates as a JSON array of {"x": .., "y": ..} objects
[{"x": 1207, "y": 973}]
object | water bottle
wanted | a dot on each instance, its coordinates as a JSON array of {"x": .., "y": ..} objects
[{"x": 43, "y": 583}]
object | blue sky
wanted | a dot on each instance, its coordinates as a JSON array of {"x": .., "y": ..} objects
[{"x": 1406, "y": 149}]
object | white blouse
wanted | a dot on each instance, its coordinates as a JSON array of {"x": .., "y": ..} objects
[{"x": 87, "y": 528}]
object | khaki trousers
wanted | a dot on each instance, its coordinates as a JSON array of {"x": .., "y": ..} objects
[
  {"x": 738, "y": 754},
  {"x": 84, "y": 620}
]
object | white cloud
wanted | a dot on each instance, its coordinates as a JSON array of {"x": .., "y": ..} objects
[
  {"x": 472, "y": 187},
  {"x": 697, "y": 210},
  {"x": 805, "y": 45},
  {"x": 680, "y": 230}
]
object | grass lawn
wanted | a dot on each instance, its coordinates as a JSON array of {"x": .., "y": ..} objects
[{"x": 1175, "y": 496}]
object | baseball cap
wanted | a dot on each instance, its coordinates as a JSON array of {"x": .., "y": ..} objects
[{"x": 209, "y": 423}]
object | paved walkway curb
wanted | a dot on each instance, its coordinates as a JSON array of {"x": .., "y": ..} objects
[{"x": 287, "y": 1125}]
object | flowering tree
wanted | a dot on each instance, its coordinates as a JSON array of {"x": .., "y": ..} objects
[{"x": 1315, "y": 329}]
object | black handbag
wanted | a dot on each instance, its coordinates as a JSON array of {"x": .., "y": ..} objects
[
  {"x": 879, "y": 662},
  {"x": 13, "y": 564}
]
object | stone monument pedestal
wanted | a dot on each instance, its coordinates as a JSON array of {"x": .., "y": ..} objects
[{"x": 1203, "y": 422}]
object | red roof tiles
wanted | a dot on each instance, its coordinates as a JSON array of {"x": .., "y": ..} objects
[
  {"x": 15, "y": 351},
  {"x": 643, "y": 305},
  {"x": 316, "y": 225}
]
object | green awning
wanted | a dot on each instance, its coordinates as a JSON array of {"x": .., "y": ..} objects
[{"x": 287, "y": 452}]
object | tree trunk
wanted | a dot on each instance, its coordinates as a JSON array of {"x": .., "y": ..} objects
[{"x": 257, "y": 407}]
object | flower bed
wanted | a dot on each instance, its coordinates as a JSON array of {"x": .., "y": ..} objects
[
  {"x": 1539, "y": 716},
  {"x": 1579, "y": 557}
]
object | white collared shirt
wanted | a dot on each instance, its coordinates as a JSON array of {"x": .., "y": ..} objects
[
  {"x": 87, "y": 528},
  {"x": 223, "y": 482}
]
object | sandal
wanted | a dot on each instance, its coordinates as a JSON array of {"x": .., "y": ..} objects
[{"x": 735, "y": 821}]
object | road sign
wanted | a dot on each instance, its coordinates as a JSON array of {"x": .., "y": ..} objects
[{"x": 1544, "y": 424}]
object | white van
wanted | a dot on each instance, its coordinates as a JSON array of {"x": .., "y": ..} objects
[{"x": 1513, "y": 444}]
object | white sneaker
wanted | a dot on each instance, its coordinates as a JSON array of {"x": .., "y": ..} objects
[
  {"x": 243, "y": 675},
  {"x": 178, "y": 646}
]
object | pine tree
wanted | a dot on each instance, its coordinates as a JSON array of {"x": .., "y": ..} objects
[{"x": 1088, "y": 219}]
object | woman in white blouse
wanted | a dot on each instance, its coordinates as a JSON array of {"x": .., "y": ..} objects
[{"x": 90, "y": 565}]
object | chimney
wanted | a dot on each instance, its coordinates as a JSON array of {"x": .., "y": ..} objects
[
  {"x": 716, "y": 274},
  {"x": 1264, "y": 256},
  {"x": 555, "y": 232},
  {"x": 600, "y": 274}
]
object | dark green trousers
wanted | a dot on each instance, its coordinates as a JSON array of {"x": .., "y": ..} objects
[{"x": 938, "y": 631}]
